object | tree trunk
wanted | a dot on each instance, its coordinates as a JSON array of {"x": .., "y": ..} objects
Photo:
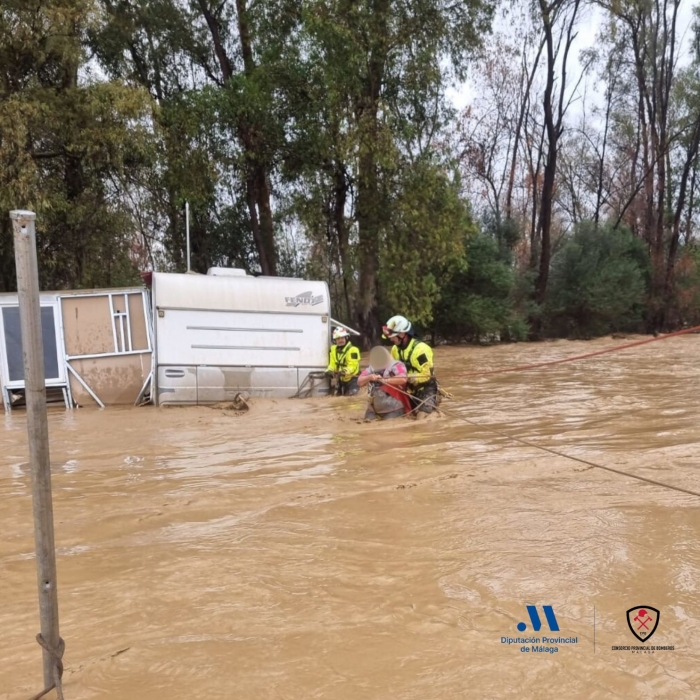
[
  {"x": 340, "y": 196},
  {"x": 267, "y": 232},
  {"x": 256, "y": 173},
  {"x": 74, "y": 183},
  {"x": 688, "y": 166},
  {"x": 368, "y": 249},
  {"x": 177, "y": 242},
  {"x": 550, "y": 166},
  {"x": 551, "y": 13},
  {"x": 256, "y": 160},
  {"x": 535, "y": 196},
  {"x": 601, "y": 163},
  {"x": 369, "y": 198},
  {"x": 691, "y": 203},
  {"x": 653, "y": 39},
  {"x": 524, "y": 105},
  {"x": 251, "y": 200},
  {"x": 8, "y": 278}
]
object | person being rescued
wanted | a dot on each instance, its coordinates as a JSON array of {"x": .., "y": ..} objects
[
  {"x": 417, "y": 356},
  {"x": 386, "y": 378},
  {"x": 344, "y": 365}
]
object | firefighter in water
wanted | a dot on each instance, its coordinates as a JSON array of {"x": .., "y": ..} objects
[
  {"x": 344, "y": 365},
  {"x": 417, "y": 356}
]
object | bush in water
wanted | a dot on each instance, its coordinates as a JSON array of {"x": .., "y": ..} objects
[
  {"x": 475, "y": 302},
  {"x": 599, "y": 282}
]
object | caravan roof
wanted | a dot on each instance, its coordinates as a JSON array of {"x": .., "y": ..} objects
[{"x": 238, "y": 293}]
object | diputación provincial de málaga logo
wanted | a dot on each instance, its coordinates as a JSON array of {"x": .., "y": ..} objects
[{"x": 539, "y": 644}]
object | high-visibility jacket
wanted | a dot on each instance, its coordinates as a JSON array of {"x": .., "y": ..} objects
[
  {"x": 418, "y": 358},
  {"x": 345, "y": 360}
]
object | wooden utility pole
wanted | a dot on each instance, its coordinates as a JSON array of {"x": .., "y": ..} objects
[{"x": 38, "y": 434}]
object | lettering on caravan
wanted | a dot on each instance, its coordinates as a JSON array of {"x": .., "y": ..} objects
[{"x": 304, "y": 299}]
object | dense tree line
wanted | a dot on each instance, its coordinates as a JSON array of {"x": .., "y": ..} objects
[{"x": 315, "y": 138}]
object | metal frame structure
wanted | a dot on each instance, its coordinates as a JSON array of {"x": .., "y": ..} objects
[
  {"x": 122, "y": 341},
  {"x": 148, "y": 384}
]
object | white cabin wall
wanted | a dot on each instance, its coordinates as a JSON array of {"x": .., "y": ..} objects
[{"x": 217, "y": 335}]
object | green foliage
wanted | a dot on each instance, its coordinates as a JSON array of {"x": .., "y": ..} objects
[
  {"x": 427, "y": 224},
  {"x": 66, "y": 147},
  {"x": 318, "y": 133},
  {"x": 375, "y": 104},
  {"x": 597, "y": 283},
  {"x": 507, "y": 235},
  {"x": 476, "y": 296}
]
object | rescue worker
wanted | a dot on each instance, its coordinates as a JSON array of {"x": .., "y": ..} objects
[
  {"x": 417, "y": 356},
  {"x": 386, "y": 378},
  {"x": 344, "y": 365}
]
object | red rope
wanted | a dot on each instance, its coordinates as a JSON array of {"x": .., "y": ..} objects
[{"x": 521, "y": 368}]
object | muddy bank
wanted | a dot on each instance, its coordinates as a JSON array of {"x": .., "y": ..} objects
[{"x": 290, "y": 552}]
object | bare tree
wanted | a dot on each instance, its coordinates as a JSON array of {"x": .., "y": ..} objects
[
  {"x": 558, "y": 21},
  {"x": 664, "y": 140}
]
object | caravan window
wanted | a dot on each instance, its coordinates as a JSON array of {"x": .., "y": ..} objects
[{"x": 13, "y": 343}]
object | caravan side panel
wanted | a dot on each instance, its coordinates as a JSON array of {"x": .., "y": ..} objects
[
  {"x": 176, "y": 385},
  {"x": 232, "y": 334},
  {"x": 225, "y": 339},
  {"x": 216, "y": 384}
]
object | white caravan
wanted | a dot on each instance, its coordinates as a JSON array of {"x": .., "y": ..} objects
[{"x": 227, "y": 332}]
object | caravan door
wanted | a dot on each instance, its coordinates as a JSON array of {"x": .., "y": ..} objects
[{"x": 11, "y": 358}]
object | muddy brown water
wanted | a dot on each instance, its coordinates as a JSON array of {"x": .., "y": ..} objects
[{"x": 292, "y": 553}]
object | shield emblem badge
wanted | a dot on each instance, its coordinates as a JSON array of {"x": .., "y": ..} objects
[{"x": 643, "y": 621}]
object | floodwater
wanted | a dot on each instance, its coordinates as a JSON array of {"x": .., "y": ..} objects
[{"x": 293, "y": 553}]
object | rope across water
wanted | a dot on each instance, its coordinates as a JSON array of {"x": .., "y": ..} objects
[
  {"x": 587, "y": 462},
  {"x": 617, "y": 348},
  {"x": 533, "y": 445},
  {"x": 57, "y": 653}
]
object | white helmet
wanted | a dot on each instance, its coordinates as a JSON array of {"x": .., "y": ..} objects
[
  {"x": 396, "y": 325},
  {"x": 339, "y": 333}
]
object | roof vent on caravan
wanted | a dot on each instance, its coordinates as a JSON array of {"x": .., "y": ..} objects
[{"x": 227, "y": 272}]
